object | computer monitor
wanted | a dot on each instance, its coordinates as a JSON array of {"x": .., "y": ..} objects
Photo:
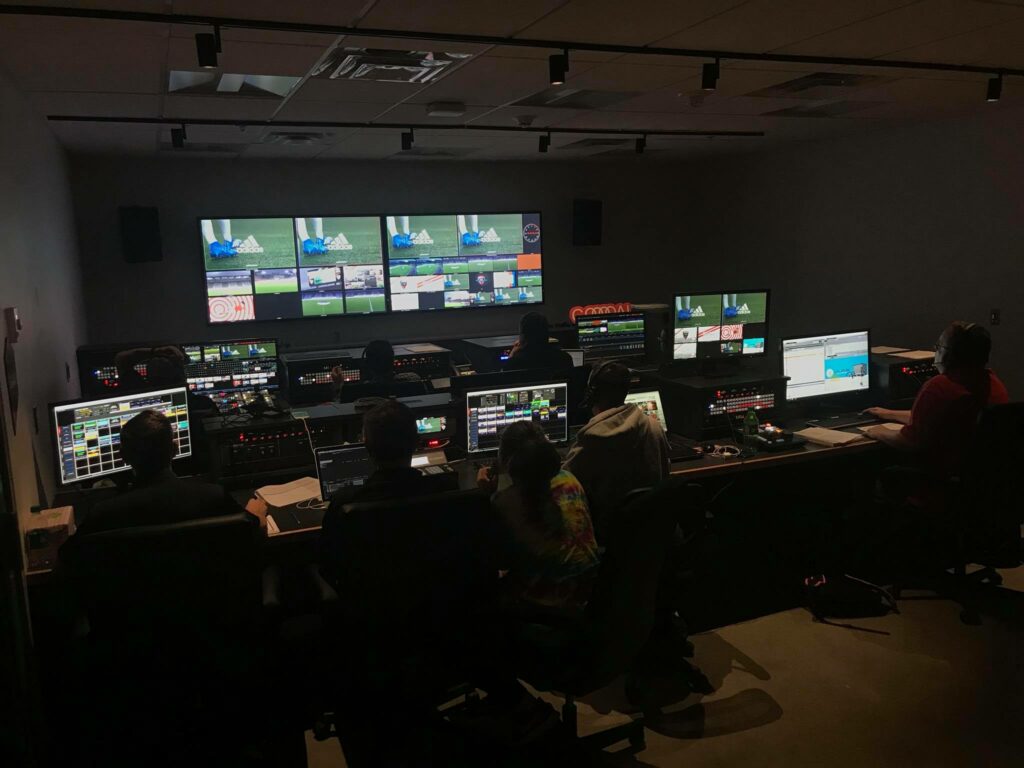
[
  {"x": 708, "y": 325},
  {"x": 611, "y": 336},
  {"x": 827, "y": 365},
  {"x": 649, "y": 401},
  {"x": 87, "y": 433},
  {"x": 340, "y": 467},
  {"x": 490, "y": 411},
  {"x": 228, "y": 371}
]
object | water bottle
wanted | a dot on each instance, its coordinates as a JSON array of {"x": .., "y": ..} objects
[{"x": 750, "y": 422}]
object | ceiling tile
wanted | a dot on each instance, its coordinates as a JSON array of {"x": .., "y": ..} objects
[
  {"x": 345, "y": 91},
  {"x": 330, "y": 110},
  {"x": 218, "y": 108},
  {"x": 480, "y": 17},
  {"x": 341, "y": 12},
  {"x": 247, "y": 58}
]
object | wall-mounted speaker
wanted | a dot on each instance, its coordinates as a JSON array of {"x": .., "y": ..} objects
[
  {"x": 140, "y": 234},
  {"x": 586, "y": 222}
]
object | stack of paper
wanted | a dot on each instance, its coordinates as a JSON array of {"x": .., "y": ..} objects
[
  {"x": 892, "y": 426},
  {"x": 290, "y": 493},
  {"x": 830, "y": 438}
]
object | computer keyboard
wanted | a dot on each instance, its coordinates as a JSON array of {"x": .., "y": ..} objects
[{"x": 682, "y": 450}]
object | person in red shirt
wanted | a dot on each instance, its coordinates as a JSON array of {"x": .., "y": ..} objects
[{"x": 939, "y": 428}]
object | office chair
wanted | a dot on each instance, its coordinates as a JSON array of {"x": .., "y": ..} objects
[{"x": 579, "y": 657}]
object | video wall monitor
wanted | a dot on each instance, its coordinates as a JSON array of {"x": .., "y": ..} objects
[
  {"x": 87, "y": 433},
  {"x": 719, "y": 325},
  {"x": 490, "y": 411},
  {"x": 611, "y": 336},
  {"x": 283, "y": 268},
  {"x": 464, "y": 260},
  {"x": 827, "y": 365}
]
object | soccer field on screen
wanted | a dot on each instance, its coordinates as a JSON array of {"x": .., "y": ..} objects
[
  {"x": 363, "y": 304},
  {"x": 274, "y": 236},
  {"x": 757, "y": 303},
  {"x": 361, "y": 232},
  {"x": 507, "y": 226},
  {"x": 322, "y": 305}
]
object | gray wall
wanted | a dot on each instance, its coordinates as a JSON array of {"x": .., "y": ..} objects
[
  {"x": 38, "y": 275},
  {"x": 643, "y": 235},
  {"x": 901, "y": 232}
]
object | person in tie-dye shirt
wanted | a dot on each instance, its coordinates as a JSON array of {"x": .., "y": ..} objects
[{"x": 552, "y": 553}]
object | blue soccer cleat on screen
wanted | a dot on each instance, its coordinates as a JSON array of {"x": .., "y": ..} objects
[
  {"x": 401, "y": 240},
  {"x": 523, "y": 296},
  {"x": 219, "y": 250},
  {"x": 685, "y": 313},
  {"x": 731, "y": 312},
  {"x": 314, "y": 246},
  {"x": 471, "y": 238}
]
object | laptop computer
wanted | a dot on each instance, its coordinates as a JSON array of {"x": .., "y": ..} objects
[
  {"x": 340, "y": 467},
  {"x": 649, "y": 401}
]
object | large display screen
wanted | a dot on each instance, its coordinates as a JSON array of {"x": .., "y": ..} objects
[
  {"x": 489, "y": 412},
  {"x": 88, "y": 432},
  {"x": 719, "y": 324},
  {"x": 464, "y": 260},
  {"x": 224, "y": 370},
  {"x": 282, "y": 268}
]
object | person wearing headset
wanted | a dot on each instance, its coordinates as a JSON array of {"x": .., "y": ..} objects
[
  {"x": 378, "y": 368},
  {"x": 620, "y": 448},
  {"x": 940, "y": 425}
]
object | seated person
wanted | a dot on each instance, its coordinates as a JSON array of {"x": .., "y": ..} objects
[
  {"x": 534, "y": 349},
  {"x": 552, "y": 553},
  {"x": 620, "y": 448},
  {"x": 377, "y": 374},
  {"x": 389, "y": 432},
  {"x": 939, "y": 429},
  {"x": 158, "y": 496},
  {"x": 165, "y": 368}
]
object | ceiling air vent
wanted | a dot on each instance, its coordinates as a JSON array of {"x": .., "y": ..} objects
[
  {"x": 386, "y": 66},
  {"x": 820, "y": 85},
  {"x": 297, "y": 138}
]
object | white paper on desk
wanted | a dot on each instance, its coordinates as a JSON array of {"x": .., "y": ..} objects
[
  {"x": 830, "y": 438},
  {"x": 892, "y": 426},
  {"x": 916, "y": 354},
  {"x": 290, "y": 493},
  {"x": 272, "y": 529},
  {"x": 883, "y": 350}
]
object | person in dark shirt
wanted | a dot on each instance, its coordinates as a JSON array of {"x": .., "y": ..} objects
[
  {"x": 377, "y": 375},
  {"x": 165, "y": 368},
  {"x": 389, "y": 432},
  {"x": 534, "y": 350},
  {"x": 938, "y": 430},
  {"x": 158, "y": 496}
]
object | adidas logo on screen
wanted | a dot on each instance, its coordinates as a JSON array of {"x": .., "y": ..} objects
[
  {"x": 697, "y": 311},
  {"x": 744, "y": 310},
  {"x": 249, "y": 245},
  {"x": 490, "y": 236},
  {"x": 423, "y": 238},
  {"x": 339, "y": 243}
]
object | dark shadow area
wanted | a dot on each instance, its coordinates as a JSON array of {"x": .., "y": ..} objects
[{"x": 744, "y": 711}]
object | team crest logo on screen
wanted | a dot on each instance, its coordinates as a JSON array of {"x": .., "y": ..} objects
[{"x": 531, "y": 233}]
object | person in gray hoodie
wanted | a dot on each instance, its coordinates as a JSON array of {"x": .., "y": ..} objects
[{"x": 620, "y": 448}]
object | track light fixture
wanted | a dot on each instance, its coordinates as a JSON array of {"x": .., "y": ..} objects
[
  {"x": 641, "y": 145},
  {"x": 207, "y": 48},
  {"x": 995, "y": 89},
  {"x": 709, "y": 76},
  {"x": 558, "y": 65},
  {"x": 178, "y": 136},
  {"x": 543, "y": 142},
  {"x": 407, "y": 140}
]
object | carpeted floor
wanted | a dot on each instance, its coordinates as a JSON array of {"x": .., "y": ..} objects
[{"x": 915, "y": 689}]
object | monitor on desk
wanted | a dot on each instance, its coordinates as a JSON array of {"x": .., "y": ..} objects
[
  {"x": 490, "y": 411},
  {"x": 87, "y": 433},
  {"x": 611, "y": 336},
  {"x": 827, "y": 365},
  {"x": 340, "y": 467},
  {"x": 710, "y": 325},
  {"x": 230, "y": 372},
  {"x": 649, "y": 402}
]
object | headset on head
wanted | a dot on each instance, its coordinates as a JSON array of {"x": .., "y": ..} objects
[
  {"x": 591, "y": 390},
  {"x": 957, "y": 339}
]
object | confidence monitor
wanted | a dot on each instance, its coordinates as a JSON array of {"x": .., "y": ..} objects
[
  {"x": 827, "y": 365},
  {"x": 611, "y": 336},
  {"x": 715, "y": 325},
  {"x": 461, "y": 260},
  {"x": 490, "y": 411},
  {"x": 87, "y": 433},
  {"x": 226, "y": 370}
]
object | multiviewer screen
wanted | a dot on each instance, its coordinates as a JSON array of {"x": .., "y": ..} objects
[
  {"x": 219, "y": 367},
  {"x": 650, "y": 403},
  {"x": 829, "y": 364},
  {"x": 620, "y": 335},
  {"x": 719, "y": 324},
  {"x": 88, "y": 433},
  {"x": 490, "y": 411},
  {"x": 342, "y": 467}
]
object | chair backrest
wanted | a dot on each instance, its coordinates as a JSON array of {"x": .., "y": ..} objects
[
  {"x": 990, "y": 481},
  {"x": 201, "y": 574},
  {"x": 621, "y": 612}
]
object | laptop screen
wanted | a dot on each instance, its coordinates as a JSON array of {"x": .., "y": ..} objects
[
  {"x": 342, "y": 467},
  {"x": 650, "y": 403}
]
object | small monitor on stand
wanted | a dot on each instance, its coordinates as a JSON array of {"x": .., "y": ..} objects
[{"x": 716, "y": 329}]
